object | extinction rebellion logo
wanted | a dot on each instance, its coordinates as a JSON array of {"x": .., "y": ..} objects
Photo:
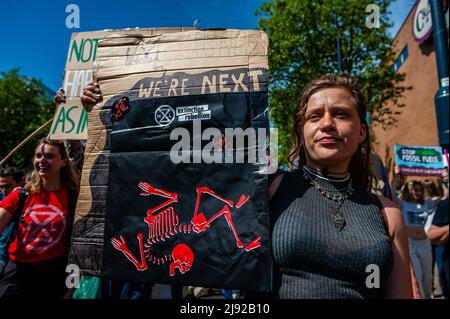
[
  {"x": 46, "y": 225},
  {"x": 164, "y": 115}
]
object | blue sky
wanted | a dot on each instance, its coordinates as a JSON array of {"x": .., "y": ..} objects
[{"x": 36, "y": 40}]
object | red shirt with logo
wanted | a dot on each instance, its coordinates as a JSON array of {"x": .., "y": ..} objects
[{"x": 42, "y": 233}]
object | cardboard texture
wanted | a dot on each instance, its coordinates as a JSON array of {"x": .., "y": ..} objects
[
  {"x": 81, "y": 56},
  {"x": 152, "y": 82}
]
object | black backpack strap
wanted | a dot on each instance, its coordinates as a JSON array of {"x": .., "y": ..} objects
[
  {"x": 72, "y": 197},
  {"x": 23, "y": 195}
]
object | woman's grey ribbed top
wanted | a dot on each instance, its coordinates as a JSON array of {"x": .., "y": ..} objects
[{"x": 313, "y": 258}]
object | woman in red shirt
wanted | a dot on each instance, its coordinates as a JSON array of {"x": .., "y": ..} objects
[{"x": 38, "y": 253}]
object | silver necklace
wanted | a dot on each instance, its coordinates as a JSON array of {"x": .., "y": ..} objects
[{"x": 338, "y": 196}]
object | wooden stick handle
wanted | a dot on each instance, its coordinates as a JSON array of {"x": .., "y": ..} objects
[{"x": 26, "y": 140}]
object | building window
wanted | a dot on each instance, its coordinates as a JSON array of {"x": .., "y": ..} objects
[{"x": 401, "y": 59}]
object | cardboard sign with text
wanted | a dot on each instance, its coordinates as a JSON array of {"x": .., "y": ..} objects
[
  {"x": 69, "y": 122},
  {"x": 70, "y": 119},
  {"x": 195, "y": 216}
]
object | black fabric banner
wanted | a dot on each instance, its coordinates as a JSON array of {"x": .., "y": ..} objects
[{"x": 179, "y": 219}]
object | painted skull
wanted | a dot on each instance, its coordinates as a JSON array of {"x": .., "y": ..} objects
[{"x": 183, "y": 257}]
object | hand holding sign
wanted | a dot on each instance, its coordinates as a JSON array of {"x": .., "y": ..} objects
[
  {"x": 91, "y": 96},
  {"x": 60, "y": 96}
]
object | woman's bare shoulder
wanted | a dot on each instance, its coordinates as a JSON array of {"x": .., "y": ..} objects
[{"x": 392, "y": 215}]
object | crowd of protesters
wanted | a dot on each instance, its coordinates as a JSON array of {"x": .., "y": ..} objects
[
  {"x": 333, "y": 157},
  {"x": 422, "y": 203}
]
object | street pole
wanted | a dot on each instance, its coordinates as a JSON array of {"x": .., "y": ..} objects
[{"x": 441, "y": 47}]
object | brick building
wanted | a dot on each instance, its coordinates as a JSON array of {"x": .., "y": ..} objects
[{"x": 417, "y": 123}]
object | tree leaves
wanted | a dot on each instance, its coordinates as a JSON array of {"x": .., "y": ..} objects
[
  {"x": 303, "y": 46},
  {"x": 24, "y": 107}
]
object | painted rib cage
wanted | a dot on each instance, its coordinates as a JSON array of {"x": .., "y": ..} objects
[{"x": 164, "y": 224}]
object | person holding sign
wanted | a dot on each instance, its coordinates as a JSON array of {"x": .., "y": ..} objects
[
  {"x": 416, "y": 211},
  {"x": 44, "y": 210},
  {"x": 331, "y": 237}
]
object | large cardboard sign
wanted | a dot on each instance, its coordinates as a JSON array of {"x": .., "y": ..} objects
[
  {"x": 179, "y": 200},
  {"x": 419, "y": 160}
]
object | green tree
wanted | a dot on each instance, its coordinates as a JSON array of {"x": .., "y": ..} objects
[
  {"x": 303, "y": 46},
  {"x": 24, "y": 106}
]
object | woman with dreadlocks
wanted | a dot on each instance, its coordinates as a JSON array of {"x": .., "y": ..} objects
[{"x": 331, "y": 237}]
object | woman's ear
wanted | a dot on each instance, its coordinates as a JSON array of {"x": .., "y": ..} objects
[{"x": 362, "y": 133}]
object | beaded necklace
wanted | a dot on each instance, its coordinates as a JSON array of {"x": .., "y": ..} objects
[{"x": 336, "y": 195}]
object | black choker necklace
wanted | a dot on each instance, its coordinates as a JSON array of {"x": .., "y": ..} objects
[
  {"x": 336, "y": 195},
  {"x": 324, "y": 171},
  {"x": 321, "y": 175}
]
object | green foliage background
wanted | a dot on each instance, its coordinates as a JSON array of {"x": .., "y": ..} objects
[
  {"x": 303, "y": 46},
  {"x": 25, "y": 105}
]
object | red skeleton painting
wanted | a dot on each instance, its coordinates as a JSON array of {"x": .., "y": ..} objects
[{"x": 164, "y": 223}]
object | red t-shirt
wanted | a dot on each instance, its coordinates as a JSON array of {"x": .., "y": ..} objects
[{"x": 43, "y": 233}]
